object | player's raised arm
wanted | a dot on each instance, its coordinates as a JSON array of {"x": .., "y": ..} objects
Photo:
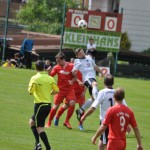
[{"x": 99, "y": 71}]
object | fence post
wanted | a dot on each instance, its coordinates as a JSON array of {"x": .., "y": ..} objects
[
  {"x": 116, "y": 60},
  {"x": 62, "y": 27},
  {"x": 82, "y": 4},
  {"x": 121, "y": 10},
  {"x": 6, "y": 28}
]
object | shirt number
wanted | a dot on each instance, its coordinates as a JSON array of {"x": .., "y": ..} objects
[
  {"x": 111, "y": 101},
  {"x": 122, "y": 122}
]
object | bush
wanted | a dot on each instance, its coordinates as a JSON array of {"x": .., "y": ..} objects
[
  {"x": 125, "y": 43},
  {"x": 45, "y": 27},
  {"x": 43, "y": 15},
  {"x": 147, "y": 51}
]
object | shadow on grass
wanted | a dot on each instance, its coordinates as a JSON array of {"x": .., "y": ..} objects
[
  {"x": 84, "y": 131},
  {"x": 61, "y": 127},
  {"x": 132, "y": 136}
]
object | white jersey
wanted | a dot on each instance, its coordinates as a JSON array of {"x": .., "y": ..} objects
[
  {"x": 89, "y": 46},
  {"x": 86, "y": 67},
  {"x": 104, "y": 100}
]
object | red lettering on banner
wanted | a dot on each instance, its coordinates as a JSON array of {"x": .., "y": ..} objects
[
  {"x": 104, "y": 71},
  {"x": 110, "y": 24},
  {"x": 75, "y": 18}
]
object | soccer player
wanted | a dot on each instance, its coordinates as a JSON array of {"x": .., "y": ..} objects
[
  {"x": 63, "y": 70},
  {"x": 104, "y": 100},
  {"x": 79, "y": 90},
  {"x": 87, "y": 68},
  {"x": 42, "y": 86},
  {"x": 118, "y": 118}
]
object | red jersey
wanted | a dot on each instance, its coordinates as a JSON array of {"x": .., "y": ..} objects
[
  {"x": 64, "y": 75},
  {"x": 118, "y": 118},
  {"x": 76, "y": 85}
]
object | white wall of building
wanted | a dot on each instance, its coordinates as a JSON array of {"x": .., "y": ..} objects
[
  {"x": 136, "y": 4},
  {"x": 100, "y": 4},
  {"x": 136, "y": 21}
]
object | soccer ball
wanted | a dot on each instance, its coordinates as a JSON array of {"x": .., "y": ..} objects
[{"x": 82, "y": 24}]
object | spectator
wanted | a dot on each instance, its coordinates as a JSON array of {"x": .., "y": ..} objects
[
  {"x": 17, "y": 61},
  {"x": 26, "y": 51},
  {"x": 8, "y": 64},
  {"x": 91, "y": 48},
  {"x": 48, "y": 63}
]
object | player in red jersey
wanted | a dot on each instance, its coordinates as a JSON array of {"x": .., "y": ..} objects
[
  {"x": 118, "y": 118},
  {"x": 63, "y": 70},
  {"x": 79, "y": 90}
]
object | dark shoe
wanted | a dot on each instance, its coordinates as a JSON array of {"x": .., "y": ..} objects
[
  {"x": 79, "y": 115},
  {"x": 38, "y": 146}
]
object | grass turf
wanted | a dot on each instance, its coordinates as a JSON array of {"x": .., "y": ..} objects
[{"x": 16, "y": 107}]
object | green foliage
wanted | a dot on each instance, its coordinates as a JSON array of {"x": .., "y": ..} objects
[
  {"x": 125, "y": 43},
  {"x": 147, "y": 51},
  {"x": 45, "y": 27},
  {"x": 43, "y": 15}
]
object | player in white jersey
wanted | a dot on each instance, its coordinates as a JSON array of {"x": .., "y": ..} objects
[
  {"x": 104, "y": 100},
  {"x": 87, "y": 67}
]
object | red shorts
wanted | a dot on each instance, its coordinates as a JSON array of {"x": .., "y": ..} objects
[
  {"x": 67, "y": 95},
  {"x": 116, "y": 145},
  {"x": 80, "y": 99}
]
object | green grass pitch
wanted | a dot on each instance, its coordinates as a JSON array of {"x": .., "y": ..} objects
[{"x": 16, "y": 107}]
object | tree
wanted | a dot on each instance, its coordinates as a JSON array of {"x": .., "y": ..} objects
[
  {"x": 125, "y": 43},
  {"x": 43, "y": 15},
  {"x": 147, "y": 51}
]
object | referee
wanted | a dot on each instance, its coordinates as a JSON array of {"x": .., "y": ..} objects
[{"x": 41, "y": 86}]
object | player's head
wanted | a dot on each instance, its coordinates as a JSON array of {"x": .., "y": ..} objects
[
  {"x": 79, "y": 53},
  {"x": 47, "y": 62},
  {"x": 60, "y": 58},
  {"x": 91, "y": 40},
  {"x": 119, "y": 94},
  {"x": 109, "y": 80},
  {"x": 39, "y": 65},
  {"x": 17, "y": 55}
]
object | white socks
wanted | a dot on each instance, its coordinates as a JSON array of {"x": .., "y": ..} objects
[
  {"x": 95, "y": 92},
  {"x": 86, "y": 105}
]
